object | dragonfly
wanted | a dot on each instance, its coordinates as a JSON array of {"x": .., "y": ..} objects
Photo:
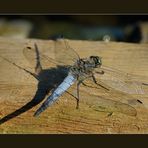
[{"x": 81, "y": 71}]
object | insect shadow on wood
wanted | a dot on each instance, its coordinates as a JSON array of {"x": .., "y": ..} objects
[
  {"x": 66, "y": 75},
  {"x": 48, "y": 80}
]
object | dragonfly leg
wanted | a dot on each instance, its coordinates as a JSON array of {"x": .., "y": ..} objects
[
  {"x": 85, "y": 84},
  {"x": 144, "y": 84},
  {"x": 95, "y": 81},
  {"x": 88, "y": 85},
  {"x": 77, "y": 98},
  {"x": 78, "y": 85},
  {"x": 100, "y": 72},
  {"x": 110, "y": 114}
]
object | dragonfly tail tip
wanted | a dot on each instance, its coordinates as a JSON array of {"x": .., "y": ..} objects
[{"x": 36, "y": 114}]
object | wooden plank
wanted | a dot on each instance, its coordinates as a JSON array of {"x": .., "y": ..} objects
[{"x": 18, "y": 87}]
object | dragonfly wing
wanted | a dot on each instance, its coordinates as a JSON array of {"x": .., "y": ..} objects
[
  {"x": 120, "y": 81},
  {"x": 36, "y": 58},
  {"x": 111, "y": 101},
  {"x": 107, "y": 105},
  {"x": 106, "y": 101},
  {"x": 64, "y": 54}
]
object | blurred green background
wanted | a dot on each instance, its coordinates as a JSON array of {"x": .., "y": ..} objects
[{"x": 125, "y": 28}]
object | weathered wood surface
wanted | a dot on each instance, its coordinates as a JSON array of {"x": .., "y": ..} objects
[{"x": 17, "y": 88}]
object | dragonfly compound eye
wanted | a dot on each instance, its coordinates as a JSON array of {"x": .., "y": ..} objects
[{"x": 96, "y": 59}]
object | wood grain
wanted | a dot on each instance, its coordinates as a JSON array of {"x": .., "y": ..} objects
[{"x": 18, "y": 87}]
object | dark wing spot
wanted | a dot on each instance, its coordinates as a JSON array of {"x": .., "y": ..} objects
[
  {"x": 139, "y": 101},
  {"x": 28, "y": 47}
]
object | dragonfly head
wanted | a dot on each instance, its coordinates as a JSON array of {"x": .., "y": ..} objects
[{"x": 97, "y": 60}]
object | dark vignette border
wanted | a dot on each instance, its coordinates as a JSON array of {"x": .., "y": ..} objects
[
  {"x": 110, "y": 7},
  {"x": 90, "y": 141},
  {"x": 76, "y": 6}
]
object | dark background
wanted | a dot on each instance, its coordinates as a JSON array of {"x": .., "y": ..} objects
[{"x": 125, "y": 28}]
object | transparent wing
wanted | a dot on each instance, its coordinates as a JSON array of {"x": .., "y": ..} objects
[
  {"x": 104, "y": 104},
  {"x": 64, "y": 54},
  {"x": 128, "y": 83},
  {"x": 106, "y": 101},
  {"x": 36, "y": 58}
]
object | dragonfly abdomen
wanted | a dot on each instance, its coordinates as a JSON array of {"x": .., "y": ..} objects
[{"x": 68, "y": 81}]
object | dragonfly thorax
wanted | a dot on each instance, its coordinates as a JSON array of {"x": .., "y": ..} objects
[{"x": 86, "y": 65}]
